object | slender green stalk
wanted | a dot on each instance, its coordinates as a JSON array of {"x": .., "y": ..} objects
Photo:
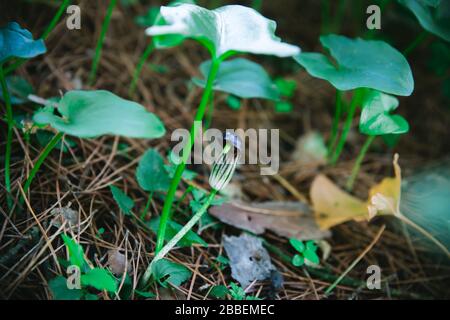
[
  {"x": 55, "y": 19},
  {"x": 357, "y": 165},
  {"x": 101, "y": 39},
  {"x": 148, "y": 50},
  {"x": 47, "y": 31},
  {"x": 209, "y": 112},
  {"x": 48, "y": 148},
  {"x": 337, "y": 116},
  {"x": 347, "y": 126},
  {"x": 416, "y": 42},
  {"x": 186, "y": 152},
  {"x": 147, "y": 205},
  {"x": 342, "y": 5},
  {"x": 188, "y": 226},
  {"x": 325, "y": 16},
  {"x": 10, "y": 121}
]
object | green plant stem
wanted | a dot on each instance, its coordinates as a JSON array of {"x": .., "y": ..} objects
[
  {"x": 186, "y": 152},
  {"x": 415, "y": 43},
  {"x": 337, "y": 116},
  {"x": 148, "y": 50},
  {"x": 48, "y": 148},
  {"x": 147, "y": 205},
  {"x": 98, "y": 48},
  {"x": 347, "y": 126},
  {"x": 357, "y": 165},
  {"x": 342, "y": 5},
  {"x": 10, "y": 121},
  {"x": 210, "y": 112},
  {"x": 325, "y": 16},
  {"x": 55, "y": 19},
  {"x": 180, "y": 234},
  {"x": 47, "y": 31}
]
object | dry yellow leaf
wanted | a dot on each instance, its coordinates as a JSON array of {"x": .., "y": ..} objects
[{"x": 332, "y": 205}]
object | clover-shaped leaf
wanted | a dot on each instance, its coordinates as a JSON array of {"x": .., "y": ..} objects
[
  {"x": 376, "y": 118},
  {"x": 433, "y": 15},
  {"x": 225, "y": 30},
  {"x": 88, "y": 114},
  {"x": 360, "y": 64},
  {"x": 151, "y": 173},
  {"x": 19, "y": 43},
  {"x": 242, "y": 78}
]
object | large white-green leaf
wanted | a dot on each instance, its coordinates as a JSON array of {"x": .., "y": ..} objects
[
  {"x": 376, "y": 118},
  {"x": 88, "y": 114},
  {"x": 433, "y": 16},
  {"x": 360, "y": 64},
  {"x": 18, "y": 42},
  {"x": 225, "y": 30},
  {"x": 242, "y": 78}
]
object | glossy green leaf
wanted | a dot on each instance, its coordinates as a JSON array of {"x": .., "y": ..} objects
[
  {"x": 124, "y": 202},
  {"x": 100, "y": 279},
  {"x": 151, "y": 173},
  {"x": 242, "y": 78},
  {"x": 18, "y": 89},
  {"x": 311, "y": 256},
  {"x": 286, "y": 87},
  {"x": 225, "y": 30},
  {"x": 360, "y": 64},
  {"x": 283, "y": 106},
  {"x": 297, "y": 244},
  {"x": 433, "y": 16},
  {"x": 18, "y": 42},
  {"x": 233, "y": 102},
  {"x": 172, "y": 229},
  {"x": 88, "y": 114},
  {"x": 76, "y": 253},
  {"x": 60, "y": 291},
  {"x": 298, "y": 260},
  {"x": 376, "y": 118},
  {"x": 219, "y": 292},
  {"x": 166, "y": 272},
  {"x": 168, "y": 40}
]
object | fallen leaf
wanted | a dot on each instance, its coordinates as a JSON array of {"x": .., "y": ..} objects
[
  {"x": 289, "y": 219},
  {"x": 65, "y": 214},
  {"x": 310, "y": 149},
  {"x": 332, "y": 205},
  {"x": 384, "y": 198},
  {"x": 249, "y": 260},
  {"x": 117, "y": 262}
]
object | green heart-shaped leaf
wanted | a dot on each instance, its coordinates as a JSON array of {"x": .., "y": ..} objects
[
  {"x": 311, "y": 256},
  {"x": 360, "y": 64},
  {"x": 60, "y": 291},
  {"x": 18, "y": 89},
  {"x": 19, "y": 43},
  {"x": 242, "y": 78},
  {"x": 225, "y": 30},
  {"x": 298, "y": 260},
  {"x": 297, "y": 244},
  {"x": 124, "y": 202},
  {"x": 88, "y": 114},
  {"x": 433, "y": 15},
  {"x": 376, "y": 118},
  {"x": 100, "y": 279},
  {"x": 151, "y": 173},
  {"x": 166, "y": 271}
]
